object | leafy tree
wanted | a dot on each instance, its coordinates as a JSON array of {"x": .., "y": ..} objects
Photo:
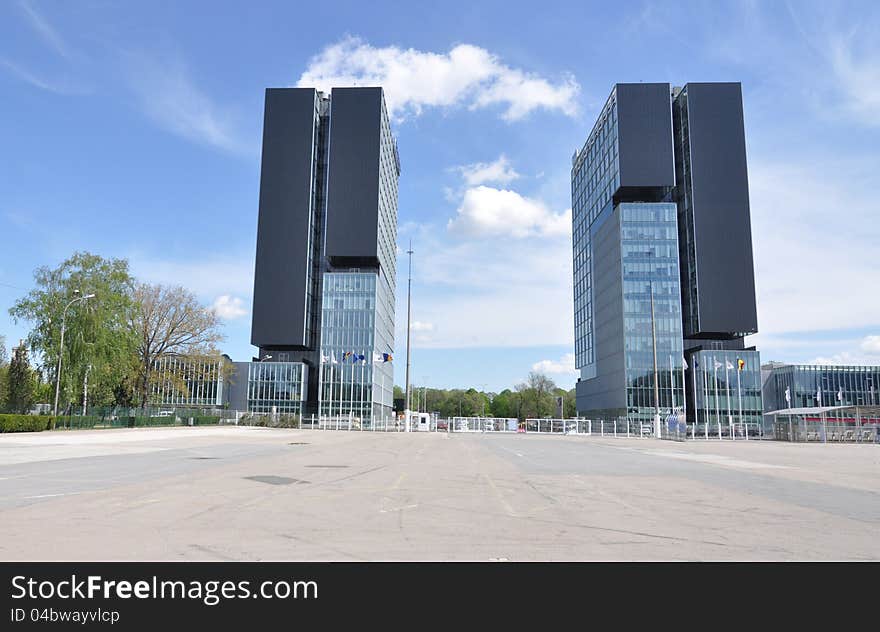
[
  {"x": 20, "y": 382},
  {"x": 505, "y": 404},
  {"x": 4, "y": 370},
  {"x": 97, "y": 334},
  {"x": 169, "y": 321}
]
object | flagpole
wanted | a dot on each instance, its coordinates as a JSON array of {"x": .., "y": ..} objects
[
  {"x": 694, "y": 380},
  {"x": 788, "y": 400},
  {"x": 739, "y": 396},
  {"x": 656, "y": 384},
  {"x": 684, "y": 396},
  {"x": 672, "y": 383},
  {"x": 727, "y": 385},
  {"x": 320, "y": 386},
  {"x": 351, "y": 401},
  {"x": 706, "y": 397},
  {"x": 717, "y": 403}
]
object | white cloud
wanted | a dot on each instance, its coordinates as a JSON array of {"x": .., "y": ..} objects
[
  {"x": 465, "y": 76},
  {"x": 419, "y": 326},
  {"x": 497, "y": 172},
  {"x": 168, "y": 95},
  {"x": 489, "y": 292},
  {"x": 564, "y": 365},
  {"x": 229, "y": 307},
  {"x": 871, "y": 345},
  {"x": 487, "y": 211}
]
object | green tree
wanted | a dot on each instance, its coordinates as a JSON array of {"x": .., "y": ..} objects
[
  {"x": 505, "y": 404},
  {"x": 20, "y": 382},
  {"x": 97, "y": 337},
  {"x": 537, "y": 398},
  {"x": 4, "y": 370}
]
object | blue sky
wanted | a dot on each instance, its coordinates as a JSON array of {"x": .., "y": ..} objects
[{"x": 133, "y": 129}]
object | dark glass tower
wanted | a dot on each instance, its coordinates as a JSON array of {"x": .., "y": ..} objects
[
  {"x": 328, "y": 206},
  {"x": 660, "y": 215}
]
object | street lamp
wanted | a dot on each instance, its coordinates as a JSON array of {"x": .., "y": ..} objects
[{"x": 61, "y": 346}]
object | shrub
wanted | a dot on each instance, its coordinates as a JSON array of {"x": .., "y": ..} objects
[{"x": 26, "y": 423}]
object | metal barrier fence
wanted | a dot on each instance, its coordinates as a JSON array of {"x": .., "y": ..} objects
[{"x": 98, "y": 418}]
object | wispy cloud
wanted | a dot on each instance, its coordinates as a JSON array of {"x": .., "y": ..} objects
[
  {"x": 467, "y": 76},
  {"x": 167, "y": 94},
  {"x": 31, "y": 78},
  {"x": 44, "y": 29}
]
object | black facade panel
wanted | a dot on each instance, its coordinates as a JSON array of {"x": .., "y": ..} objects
[
  {"x": 722, "y": 223},
  {"x": 353, "y": 185},
  {"x": 644, "y": 127},
  {"x": 282, "y": 262}
]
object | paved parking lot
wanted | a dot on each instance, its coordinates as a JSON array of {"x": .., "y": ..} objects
[{"x": 228, "y": 493}]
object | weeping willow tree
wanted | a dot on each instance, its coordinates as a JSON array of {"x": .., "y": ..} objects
[{"x": 99, "y": 345}]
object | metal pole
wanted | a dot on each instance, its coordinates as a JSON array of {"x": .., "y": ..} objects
[
  {"x": 408, "y": 322},
  {"x": 86, "y": 390},
  {"x": 58, "y": 371},
  {"x": 656, "y": 384},
  {"x": 706, "y": 398},
  {"x": 739, "y": 396},
  {"x": 727, "y": 384},
  {"x": 717, "y": 402}
]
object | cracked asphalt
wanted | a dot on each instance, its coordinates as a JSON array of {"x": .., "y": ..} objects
[{"x": 227, "y": 493}]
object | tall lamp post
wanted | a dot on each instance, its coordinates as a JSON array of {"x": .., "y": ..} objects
[
  {"x": 407, "y": 393},
  {"x": 61, "y": 346}
]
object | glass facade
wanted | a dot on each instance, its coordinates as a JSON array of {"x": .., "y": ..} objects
[
  {"x": 181, "y": 381},
  {"x": 276, "y": 387},
  {"x": 357, "y": 335},
  {"x": 594, "y": 178},
  {"x": 649, "y": 266},
  {"x": 838, "y": 386},
  {"x": 725, "y": 394}
]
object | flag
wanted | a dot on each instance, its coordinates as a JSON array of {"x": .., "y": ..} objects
[
  {"x": 361, "y": 358},
  {"x": 787, "y": 395},
  {"x": 840, "y": 394},
  {"x": 728, "y": 365},
  {"x": 684, "y": 363},
  {"x": 377, "y": 357},
  {"x": 718, "y": 365},
  {"x": 323, "y": 359},
  {"x": 819, "y": 396},
  {"x": 740, "y": 363},
  {"x": 333, "y": 358},
  {"x": 346, "y": 355},
  {"x": 387, "y": 357}
]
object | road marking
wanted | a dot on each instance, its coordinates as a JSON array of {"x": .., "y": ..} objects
[
  {"x": 500, "y": 498},
  {"x": 50, "y": 495},
  {"x": 397, "y": 508}
]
